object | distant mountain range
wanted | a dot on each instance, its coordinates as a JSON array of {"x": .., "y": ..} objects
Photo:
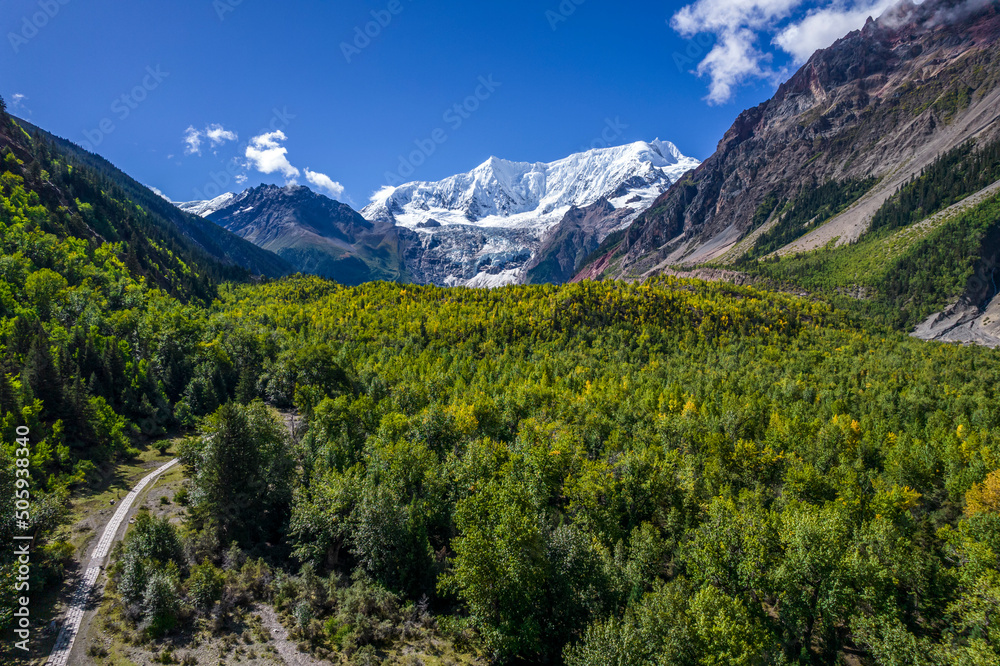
[
  {"x": 315, "y": 234},
  {"x": 501, "y": 223}
]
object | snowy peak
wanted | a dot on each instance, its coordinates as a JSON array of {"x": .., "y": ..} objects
[
  {"x": 206, "y": 208},
  {"x": 261, "y": 192},
  {"x": 503, "y": 193}
]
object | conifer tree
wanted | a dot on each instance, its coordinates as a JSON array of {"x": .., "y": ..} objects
[{"x": 42, "y": 375}]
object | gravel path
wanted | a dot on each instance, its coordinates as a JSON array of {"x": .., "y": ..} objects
[
  {"x": 287, "y": 650},
  {"x": 78, "y": 604}
]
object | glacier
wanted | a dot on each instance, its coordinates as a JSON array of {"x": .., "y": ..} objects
[
  {"x": 516, "y": 204},
  {"x": 502, "y": 193},
  {"x": 490, "y": 227}
]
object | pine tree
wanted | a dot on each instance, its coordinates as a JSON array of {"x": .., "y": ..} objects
[
  {"x": 8, "y": 397},
  {"x": 42, "y": 376}
]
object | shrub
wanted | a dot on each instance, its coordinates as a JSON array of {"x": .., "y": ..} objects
[
  {"x": 159, "y": 604},
  {"x": 205, "y": 586}
]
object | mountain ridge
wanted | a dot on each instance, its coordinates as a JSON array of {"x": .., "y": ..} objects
[
  {"x": 502, "y": 192},
  {"x": 312, "y": 232},
  {"x": 881, "y": 102},
  {"x": 488, "y": 227},
  {"x": 95, "y": 201}
]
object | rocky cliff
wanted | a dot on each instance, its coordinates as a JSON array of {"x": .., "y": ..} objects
[{"x": 876, "y": 107}]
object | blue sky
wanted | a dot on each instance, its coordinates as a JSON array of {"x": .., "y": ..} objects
[{"x": 194, "y": 96}]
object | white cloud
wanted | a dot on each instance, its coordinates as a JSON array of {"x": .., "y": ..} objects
[
  {"x": 215, "y": 133},
  {"x": 720, "y": 16},
  {"x": 218, "y": 135},
  {"x": 17, "y": 104},
  {"x": 159, "y": 193},
  {"x": 733, "y": 60},
  {"x": 240, "y": 178},
  {"x": 739, "y": 26},
  {"x": 192, "y": 141},
  {"x": 735, "y": 24},
  {"x": 266, "y": 154},
  {"x": 325, "y": 183},
  {"x": 822, "y": 27}
]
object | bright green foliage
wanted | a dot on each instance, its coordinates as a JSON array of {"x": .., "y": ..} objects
[
  {"x": 813, "y": 577},
  {"x": 205, "y": 585},
  {"x": 8, "y": 567},
  {"x": 727, "y": 632},
  {"x": 160, "y": 603},
  {"x": 678, "y": 624},
  {"x": 146, "y": 574},
  {"x": 501, "y": 565},
  {"x": 153, "y": 539}
]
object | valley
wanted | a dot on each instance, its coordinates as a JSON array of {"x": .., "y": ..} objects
[{"x": 626, "y": 407}]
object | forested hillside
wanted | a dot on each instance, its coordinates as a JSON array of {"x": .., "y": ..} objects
[
  {"x": 916, "y": 258},
  {"x": 670, "y": 472},
  {"x": 96, "y": 280},
  {"x": 85, "y": 197}
]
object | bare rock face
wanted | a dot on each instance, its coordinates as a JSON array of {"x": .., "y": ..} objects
[
  {"x": 317, "y": 235},
  {"x": 567, "y": 245},
  {"x": 882, "y": 102},
  {"x": 963, "y": 323}
]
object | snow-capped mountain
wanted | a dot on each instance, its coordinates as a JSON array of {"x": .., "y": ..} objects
[
  {"x": 206, "y": 208},
  {"x": 501, "y": 193},
  {"x": 502, "y": 223},
  {"x": 485, "y": 227}
]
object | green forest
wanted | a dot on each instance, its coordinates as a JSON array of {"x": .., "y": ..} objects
[
  {"x": 665, "y": 472},
  {"x": 814, "y": 205}
]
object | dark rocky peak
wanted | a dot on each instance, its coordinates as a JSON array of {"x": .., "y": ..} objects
[{"x": 901, "y": 34}]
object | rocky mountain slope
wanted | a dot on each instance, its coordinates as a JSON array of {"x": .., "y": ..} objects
[
  {"x": 860, "y": 119},
  {"x": 313, "y": 233},
  {"x": 569, "y": 243}
]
